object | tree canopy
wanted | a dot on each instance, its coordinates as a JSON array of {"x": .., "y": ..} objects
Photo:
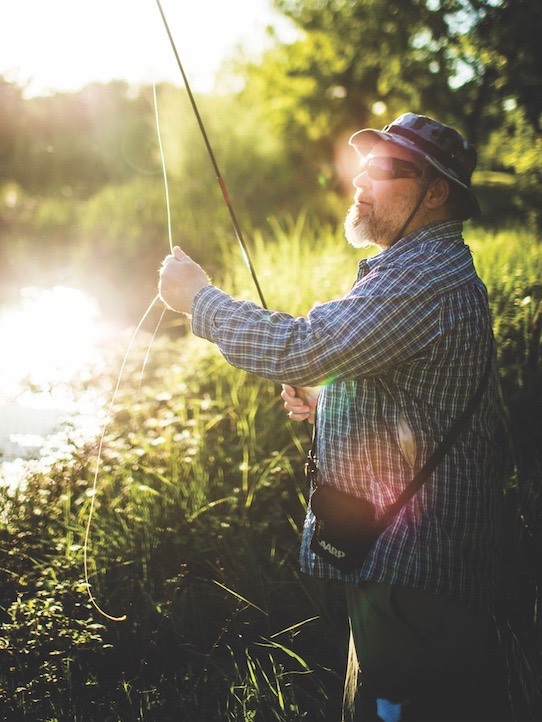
[
  {"x": 457, "y": 59},
  {"x": 473, "y": 64}
]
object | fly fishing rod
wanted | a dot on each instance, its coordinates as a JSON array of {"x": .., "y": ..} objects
[
  {"x": 248, "y": 263},
  {"x": 219, "y": 178}
]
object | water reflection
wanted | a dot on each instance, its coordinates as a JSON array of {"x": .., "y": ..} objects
[
  {"x": 50, "y": 341},
  {"x": 50, "y": 335}
]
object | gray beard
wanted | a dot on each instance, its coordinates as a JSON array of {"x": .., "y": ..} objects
[
  {"x": 366, "y": 231},
  {"x": 363, "y": 230}
]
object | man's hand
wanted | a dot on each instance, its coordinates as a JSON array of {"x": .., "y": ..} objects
[
  {"x": 300, "y": 402},
  {"x": 180, "y": 279}
]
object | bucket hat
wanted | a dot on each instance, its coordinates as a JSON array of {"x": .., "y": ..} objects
[{"x": 441, "y": 146}]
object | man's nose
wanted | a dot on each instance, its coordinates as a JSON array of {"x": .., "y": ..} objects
[{"x": 361, "y": 180}]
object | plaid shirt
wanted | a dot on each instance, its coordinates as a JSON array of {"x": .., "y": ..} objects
[{"x": 399, "y": 357}]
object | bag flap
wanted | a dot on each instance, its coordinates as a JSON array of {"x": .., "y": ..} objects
[{"x": 331, "y": 505}]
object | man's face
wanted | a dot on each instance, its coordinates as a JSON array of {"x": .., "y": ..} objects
[{"x": 381, "y": 207}]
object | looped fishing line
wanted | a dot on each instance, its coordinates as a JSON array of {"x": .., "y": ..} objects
[
  {"x": 97, "y": 471},
  {"x": 246, "y": 258},
  {"x": 94, "y": 487},
  {"x": 220, "y": 180}
]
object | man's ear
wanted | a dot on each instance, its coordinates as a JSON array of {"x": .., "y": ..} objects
[{"x": 437, "y": 194}]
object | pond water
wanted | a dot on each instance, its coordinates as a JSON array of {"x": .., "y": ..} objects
[{"x": 51, "y": 345}]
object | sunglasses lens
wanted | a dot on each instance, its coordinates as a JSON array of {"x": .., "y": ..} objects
[
  {"x": 380, "y": 168},
  {"x": 377, "y": 168},
  {"x": 387, "y": 168}
]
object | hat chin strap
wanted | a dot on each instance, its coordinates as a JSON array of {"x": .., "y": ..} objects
[{"x": 412, "y": 214}]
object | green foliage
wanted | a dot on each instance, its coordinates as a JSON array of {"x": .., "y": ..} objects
[
  {"x": 296, "y": 253},
  {"x": 195, "y": 536},
  {"x": 250, "y": 157},
  {"x": 355, "y": 62},
  {"x": 52, "y": 216},
  {"x": 512, "y": 267},
  {"x": 12, "y": 130},
  {"x": 51, "y": 647},
  {"x": 51, "y": 643},
  {"x": 199, "y": 509},
  {"x": 115, "y": 237},
  {"x": 506, "y": 39},
  {"x": 75, "y": 142},
  {"x": 517, "y": 147},
  {"x": 457, "y": 60}
]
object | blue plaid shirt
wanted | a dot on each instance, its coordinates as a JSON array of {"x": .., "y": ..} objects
[{"x": 399, "y": 357}]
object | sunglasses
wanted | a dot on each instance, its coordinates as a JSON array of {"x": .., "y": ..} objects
[{"x": 387, "y": 168}]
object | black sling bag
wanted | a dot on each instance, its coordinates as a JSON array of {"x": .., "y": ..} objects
[{"x": 345, "y": 530}]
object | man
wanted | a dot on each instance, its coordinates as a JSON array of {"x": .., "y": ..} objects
[{"x": 387, "y": 369}]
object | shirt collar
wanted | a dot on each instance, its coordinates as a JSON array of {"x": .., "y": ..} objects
[{"x": 448, "y": 231}]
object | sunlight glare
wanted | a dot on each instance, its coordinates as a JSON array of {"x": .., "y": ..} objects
[
  {"x": 346, "y": 163},
  {"x": 53, "y": 341},
  {"x": 121, "y": 39},
  {"x": 49, "y": 337}
]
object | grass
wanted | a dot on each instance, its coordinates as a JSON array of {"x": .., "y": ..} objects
[
  {"x": 198, "y": 517},
  {"x": 510, "y": 264}
]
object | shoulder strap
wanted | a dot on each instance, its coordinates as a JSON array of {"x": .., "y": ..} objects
[{"x": 442, "y": 449}]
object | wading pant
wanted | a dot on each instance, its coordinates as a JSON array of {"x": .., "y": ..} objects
[{"x": 417, "y": 653}]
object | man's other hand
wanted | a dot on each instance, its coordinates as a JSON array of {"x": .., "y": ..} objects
[{"x": 300, "y": 402}]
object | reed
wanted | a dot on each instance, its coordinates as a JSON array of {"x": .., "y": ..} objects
[{"x": 199, "y": 509}]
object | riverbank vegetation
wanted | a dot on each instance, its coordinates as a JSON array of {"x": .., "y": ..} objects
[
  {"x": 81, "y": 192},
  {"x": 201, "y": 497},
  {"x": 199, "y": 509}
]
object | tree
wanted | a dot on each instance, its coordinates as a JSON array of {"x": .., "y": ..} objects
[
  {"x": 354, "y": 62},
  {"x": 505, "y": 43},
  {"x": 453, "y": 58},
  {"x": 12, "y": 127},
  {"x": 75, "y": 141},
  {"x": 357, "y": 60},
  {"x": 507, "y": 39}
]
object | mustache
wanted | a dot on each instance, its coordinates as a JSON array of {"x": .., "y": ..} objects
[{"x": 354, "y": 214}]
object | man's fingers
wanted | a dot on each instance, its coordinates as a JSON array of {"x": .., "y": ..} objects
[
  {"x": 294, "y": 403},
  {"x": 297, "y": 407},
  {"x": 296, "y": 416},
  {"x": 178, "y": 254},
  {"x": 288, "y": 394}
]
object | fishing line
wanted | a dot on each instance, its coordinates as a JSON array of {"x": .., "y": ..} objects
[
  {"x": 169, "y": 232},
  {"x": 94, "y": 487},
  {"x": 218, "y": 175},
  {"x": 164, "y": 169},
  {"x": 148, "y": 353},
  {"x": 221, "y": 183}
]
